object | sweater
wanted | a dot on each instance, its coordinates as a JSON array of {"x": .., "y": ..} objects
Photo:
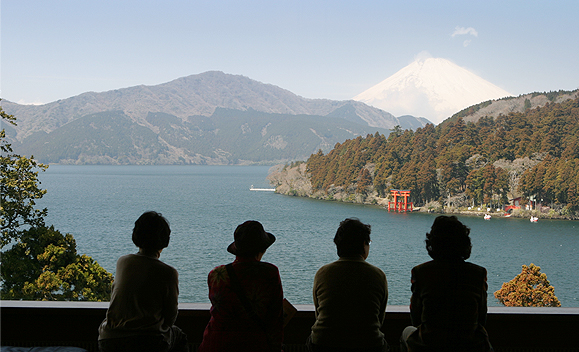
[
  {"x": 449, "y": 306},
  {"x": 144, "y": 299},
  {"x": 350, "y": 298}
]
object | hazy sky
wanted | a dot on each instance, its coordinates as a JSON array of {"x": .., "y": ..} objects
[{"x": 55, "y": 49}]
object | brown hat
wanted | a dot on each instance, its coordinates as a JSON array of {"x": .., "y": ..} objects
[{"x": 250, "y": 239}]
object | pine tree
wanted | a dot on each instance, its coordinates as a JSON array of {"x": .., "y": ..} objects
[{"x": 528, "y": 289}]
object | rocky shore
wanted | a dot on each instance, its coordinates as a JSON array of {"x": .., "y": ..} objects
[{"x": 292, "y": 180}]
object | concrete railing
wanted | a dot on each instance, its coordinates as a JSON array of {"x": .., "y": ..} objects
[{"x": 32, "y": 323}]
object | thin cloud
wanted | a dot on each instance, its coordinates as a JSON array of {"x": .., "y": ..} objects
[
  {"x": 423, "y": 55},
  {"x": 24, "y": 102},
  {"x": 464, "y": 31}
]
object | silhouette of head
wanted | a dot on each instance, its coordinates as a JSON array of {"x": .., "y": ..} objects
[
  {"x": 250, "y": 239},
  {"x": 448, "y": 239},
  {"x": 151, "y": 231},
  {"x": 351, "y": 237}
]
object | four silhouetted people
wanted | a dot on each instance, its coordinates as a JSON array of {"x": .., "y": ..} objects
[{"x": 448, "y": 304}]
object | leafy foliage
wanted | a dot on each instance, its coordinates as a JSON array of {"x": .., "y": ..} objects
[
  {"x": 19, "y": 189},
  {"x": 41, "y": 263},
  {"x": 482, "y": 184},
  {"x": 44, "y": 265},
  {"x": 530, "y": 288},
  {"x": 456, "y": 158}
]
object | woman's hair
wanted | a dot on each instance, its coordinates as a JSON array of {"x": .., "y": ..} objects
[
  {"x": 351, "y": 237},
  {"x": 448, "y": 239},
  {"x": 151, "y": 231}
]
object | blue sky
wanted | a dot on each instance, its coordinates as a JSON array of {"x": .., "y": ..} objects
[{"x": 55, "y": 49}]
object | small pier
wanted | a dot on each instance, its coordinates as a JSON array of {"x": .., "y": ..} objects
[{"x": 261, "y": 189}]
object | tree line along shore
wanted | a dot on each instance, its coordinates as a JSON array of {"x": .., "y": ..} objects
[{"x": 522, "y": 158}]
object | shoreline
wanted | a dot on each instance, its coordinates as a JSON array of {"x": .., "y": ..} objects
[
  {"x": 518, "y": 213},
  {"x": 502, "y": 215},
  {"x": 294, "y": 181}
]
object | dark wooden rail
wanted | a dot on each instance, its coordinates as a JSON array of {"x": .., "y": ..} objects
[{"x": 26, "y": 323}]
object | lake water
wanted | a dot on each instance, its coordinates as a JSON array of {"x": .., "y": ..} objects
[{"x": 204, "y": 204}]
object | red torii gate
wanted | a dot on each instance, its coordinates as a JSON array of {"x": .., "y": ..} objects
[{"x": 399, "y": 205}]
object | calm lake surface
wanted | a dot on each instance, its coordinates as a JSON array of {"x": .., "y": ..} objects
[{"x": 204, "y": 204}]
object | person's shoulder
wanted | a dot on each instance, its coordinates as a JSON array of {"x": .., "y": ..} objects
[
  {"x": 268, "y": 266},
  {"x": 256, "y": 269},
  {"x": 348, "y": 264},
  {"x": 329, "y": 266},
  {"x": 378, "y": 273},
  {"x": 373, "y": 267},
  {"x": 476, "y": 268},
  {"x": 326, "y": 270},
  {"x": 426, "y": 269},
  {"x": 149, "y": 262},
  {"x": 219, "y": 267},
  {"x": 218, "y": 270},
  {"x": 424, "y": 266},
  {"x": 127, "y": 257},
  {"x": 168, "y": 268}
]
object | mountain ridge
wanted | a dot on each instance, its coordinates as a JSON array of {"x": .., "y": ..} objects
[
  {"x": 504, "y": 106},
  {"x": 210, "y": 118},
  {"x": 192, "y": 95}
]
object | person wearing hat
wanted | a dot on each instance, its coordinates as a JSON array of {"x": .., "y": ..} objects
[
  {"x": 350, "y": 296},
  {"x": 246, "y": 297}
]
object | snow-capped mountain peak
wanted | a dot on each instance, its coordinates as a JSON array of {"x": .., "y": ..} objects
[{"x": 433, "y": 88}]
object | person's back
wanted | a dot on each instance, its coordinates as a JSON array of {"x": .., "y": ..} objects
[
  {"x": 350, "y": 296},
  {"x": 144, "y": 297},
  {"x": 448, "y": 306},
  {"x": 246, "y": 297},
  {"x": 450, "y": 303},
  {"x": 144, "y": 300}
]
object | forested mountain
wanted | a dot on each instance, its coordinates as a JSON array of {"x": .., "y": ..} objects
[
  {"x": 226, "y": 137},
  {"x": 534, "y": 153},
  {"x": 196, "y": 119}
]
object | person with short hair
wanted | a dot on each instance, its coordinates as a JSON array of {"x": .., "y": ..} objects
[
  {"x": 246, "y": 297},
  {"x": 448, "y": 306},
  {"x": 144, "y": 300},
  {"x": 350, "y": 296}
]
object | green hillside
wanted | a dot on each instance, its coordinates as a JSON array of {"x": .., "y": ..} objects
[
  {"x": 226, "y": 137},
  {"x": 102, "y": 138},
  {"x": 534, "y": 154}
]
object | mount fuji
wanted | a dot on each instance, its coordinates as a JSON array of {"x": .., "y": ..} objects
[{"x": 433, "y": 88}]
